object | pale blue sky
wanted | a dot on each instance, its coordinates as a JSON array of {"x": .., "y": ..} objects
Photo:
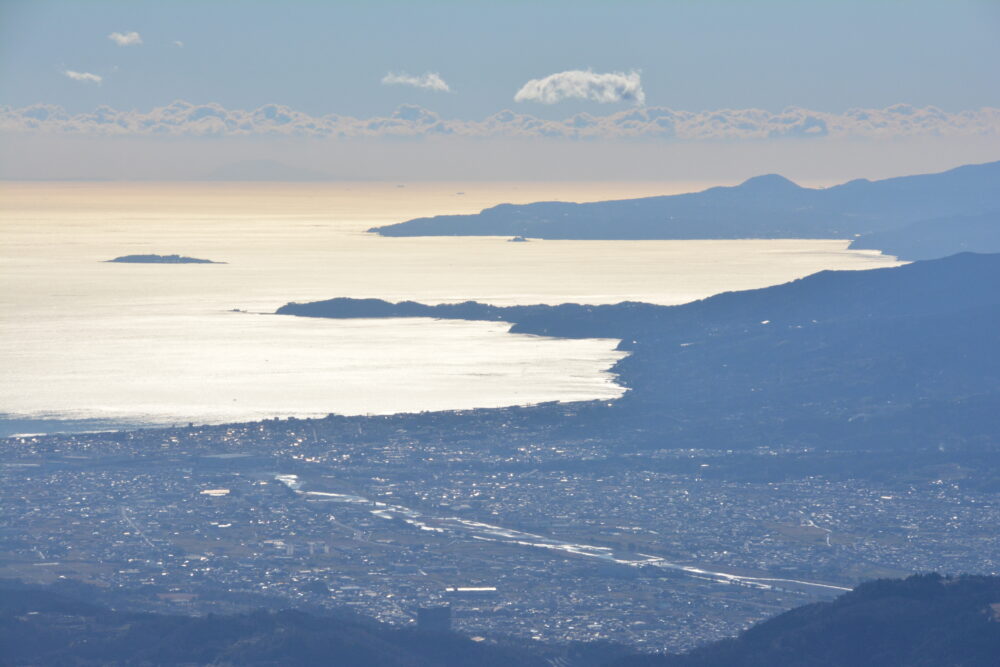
[
  {"x": 317, "y": 59},
  {"x": 329, "y": 57}
]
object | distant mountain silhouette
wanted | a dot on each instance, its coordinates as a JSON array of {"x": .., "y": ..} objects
[
  {"x": 903, "y": 357},
  {"x": 930, "y": 239},
  {"x": 924, "y": 620},
  {"x": 767, "y": 206}
]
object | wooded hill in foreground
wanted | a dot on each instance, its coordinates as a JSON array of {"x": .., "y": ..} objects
[
  {"x": 921, "y": 621},
  {"x": 40, "y": 626},
  {"x": 925, "y": 620}
]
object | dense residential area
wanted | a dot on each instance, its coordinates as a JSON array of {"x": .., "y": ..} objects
[{"x": 526, "y": 534}]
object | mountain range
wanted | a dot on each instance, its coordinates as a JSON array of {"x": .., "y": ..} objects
[{"x": 768, "y": 206}]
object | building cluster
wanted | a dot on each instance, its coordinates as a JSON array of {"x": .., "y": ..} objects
[{"x": 515, "y": 531}]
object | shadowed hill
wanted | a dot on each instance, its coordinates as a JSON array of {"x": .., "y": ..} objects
[
  {"x": 923, "y": 620},
  {"x": 930, "y": 239},
  {"x": 767, "y": 206},
  {"x": 45, "y": 627},
  {"x": 902, "y": 357}
]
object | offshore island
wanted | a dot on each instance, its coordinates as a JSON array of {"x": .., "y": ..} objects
[{"x": 161, "y": 259}]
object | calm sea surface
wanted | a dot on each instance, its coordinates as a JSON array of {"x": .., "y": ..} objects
[{"x": 161, "y": 344}]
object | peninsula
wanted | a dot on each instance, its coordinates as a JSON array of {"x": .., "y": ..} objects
[
  {"x": 764, "y": 207},
  {"x": 916, "y": 339}
]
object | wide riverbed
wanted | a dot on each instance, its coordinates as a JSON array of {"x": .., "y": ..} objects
[{"x": 161, "y": 344}]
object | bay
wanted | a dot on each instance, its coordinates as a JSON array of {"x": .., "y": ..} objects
[{"x": 135, "y": 344}]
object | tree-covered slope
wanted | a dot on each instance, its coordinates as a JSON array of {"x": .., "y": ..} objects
[
  {"x": 45, "y": 627},
  {"x": 921, "y": 621}
]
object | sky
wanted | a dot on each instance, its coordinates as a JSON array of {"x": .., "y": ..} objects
[{"x": 543, "y": 89}]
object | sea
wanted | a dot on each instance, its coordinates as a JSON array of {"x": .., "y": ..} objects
[{"x": 88, "y": 345}]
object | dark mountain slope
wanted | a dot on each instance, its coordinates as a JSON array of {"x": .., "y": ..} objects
[
  {"x": 42, "y": 627},
  {"x": 919, "y": 621},
  {"x": 839, "y": 359},
  {"x": 971, "y": 188},
  {"x": 930, "y": 239},
  {"x": 856, "y": 384},
  {"x": 763, "y": 207}
]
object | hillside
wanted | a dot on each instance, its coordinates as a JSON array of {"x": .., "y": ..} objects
[
  {"x": 898, "y": 357},
  {"x": 925, "y": 620},
  {"x": 47, "y": 627},
  {"x": 931, "y": 239},
  {"x": 767, "y": 206}
]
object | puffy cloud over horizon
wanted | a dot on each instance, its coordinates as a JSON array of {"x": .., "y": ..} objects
[
  {"x": 426, "y": 81},
  {"x": 85, "y": 77},
  {"x": 126, "y": 38},
  {"x": 184, "y": 119},
  {"x": 584, "y": 85}
]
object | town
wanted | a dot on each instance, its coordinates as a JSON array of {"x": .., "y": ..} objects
[{"x": 521, "y": 532}]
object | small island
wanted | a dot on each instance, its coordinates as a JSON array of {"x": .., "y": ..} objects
[{"x": 161, "y": 259}]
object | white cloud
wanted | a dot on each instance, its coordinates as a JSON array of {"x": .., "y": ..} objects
[
  {"x": 427, "y": 81},
  {"x": 126, "y": 38},
  {"x": 85, "y": 77},
  {"x": 178, "y": 43},
  {"x": 584, "y": 85},
  {"x": 651, "y": 123}
]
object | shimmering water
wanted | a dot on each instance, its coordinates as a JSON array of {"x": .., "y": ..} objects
[{"x": 146, "y": 343}]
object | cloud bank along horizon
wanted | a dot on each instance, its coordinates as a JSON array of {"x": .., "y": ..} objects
[
  {"x": 185, "y": 119},
  {"x": 175, "y": 83}
]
